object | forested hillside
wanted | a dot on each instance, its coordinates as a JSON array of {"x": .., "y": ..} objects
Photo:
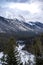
[{"x": 33, "y": 45}]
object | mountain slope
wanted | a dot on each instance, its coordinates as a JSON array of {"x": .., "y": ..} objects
[{"x": 20, "y": 27}]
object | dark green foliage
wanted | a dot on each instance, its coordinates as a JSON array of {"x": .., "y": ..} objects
[
  {"x": 9, "y": 50},
  {"x": 21, "y": 64},
  {"x": 39, "y": 61},
  {"x": 35, "y": 46},
  {"x": 11, "y": 56}
]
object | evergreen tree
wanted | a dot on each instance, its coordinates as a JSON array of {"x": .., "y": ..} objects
[
  {"x": 9, "y": 50},
  {"x": 37, "y": 47},
  {"x": 38, "y": 51}
]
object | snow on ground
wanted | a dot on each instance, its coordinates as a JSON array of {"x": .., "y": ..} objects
[
  {"x": 26, "y": 57},
  {"x": 1, "y": 54}
]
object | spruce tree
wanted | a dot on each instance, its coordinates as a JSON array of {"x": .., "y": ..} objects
[{"x": 9, "y": 50}]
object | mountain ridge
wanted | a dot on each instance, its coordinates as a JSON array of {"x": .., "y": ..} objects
[{"x": 15, "y": 26}]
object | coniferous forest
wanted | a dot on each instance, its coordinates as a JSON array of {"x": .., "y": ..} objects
[{"x": 8, "y": 44}]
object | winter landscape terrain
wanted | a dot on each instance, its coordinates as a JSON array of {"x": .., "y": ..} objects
[
  {"x": 21, "y": 32},
  {"x": 20, "y": 27},
  {"x": 25, "y": 57}
]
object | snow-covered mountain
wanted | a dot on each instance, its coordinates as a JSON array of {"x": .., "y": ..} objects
[{"x": 20, "y": 27}]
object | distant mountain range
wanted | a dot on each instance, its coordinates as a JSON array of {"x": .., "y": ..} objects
[{"x": 20, "y": 27}]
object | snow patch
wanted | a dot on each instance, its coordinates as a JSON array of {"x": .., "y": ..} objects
[{"x": 26, "y": 58}]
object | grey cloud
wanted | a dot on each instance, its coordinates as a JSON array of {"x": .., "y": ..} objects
[
  {"x": 13, "y": 0},
  {"x": 27, "y": 14},
  {"x": 40, "y": 0},
  {"x": 23, "y": 1}
]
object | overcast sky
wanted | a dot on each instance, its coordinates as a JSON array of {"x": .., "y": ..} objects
[{"x": 31, "y": 10}]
